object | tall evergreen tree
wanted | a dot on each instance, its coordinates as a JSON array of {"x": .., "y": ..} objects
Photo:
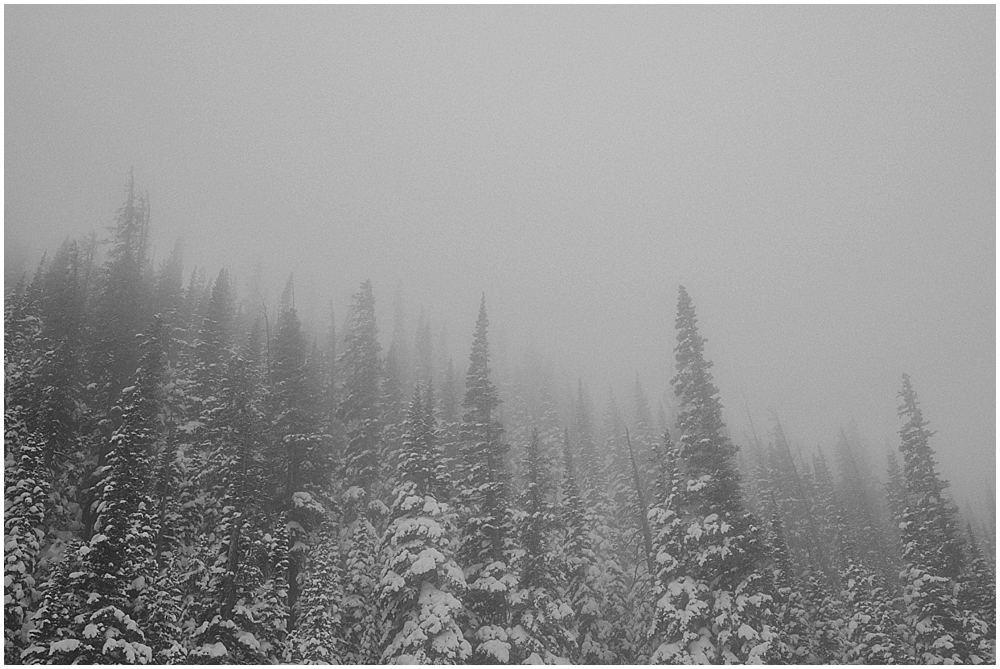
[
  {"x": 121, "y": 308},
  {"x": 932, "y": 554},
  {"x": 304, "y": 463},
  {"x": 590, "y": 629},
  {"x": 486, "y": 545},
  {"x": 712, "y": 604},
  {"x": 421, "y": 583},
  {"x": 25, "y": 491},
  {"x": 359, "y": 405},
  {"x": 92, "y": 609},
  {"x": 540, "y": 631}
]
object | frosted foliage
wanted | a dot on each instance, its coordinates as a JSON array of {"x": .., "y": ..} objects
[
  {"x": 419, "y": 585},
  {"x": 216, "y": 485}
]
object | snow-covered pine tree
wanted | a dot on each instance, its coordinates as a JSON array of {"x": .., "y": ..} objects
[
  {"x": 486, "y": 547},
  {"x": 360, "y": 629},
  {"x": 822, "y": 589},
  {"x": 212, "y": 345},
  {"x": 420, "y": 584},
  {"x": 539, "y": 632},
  {"x": 25, "y": 491},
  {"x": 712, "y": 604},
  {"x": 590, "y": 630},
  {"x": 91, "y": 611},
  {"x": 869, "y": 632},
  {"x": 303, "y": 460},
  {"x": 120, "y": 310},
  {"x": 229, "y": 589},
  {"x": 977, "y": 596},
  {"x": 361, "y": 416},
  {"x": 932, "y": 554},
  {"x": 361, "y": 372},
  {"x": 315, "y": 639},
  {"x": 793, "y": 643}
]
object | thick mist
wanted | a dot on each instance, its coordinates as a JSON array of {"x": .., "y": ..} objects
[{"x": 821, "y": 179}]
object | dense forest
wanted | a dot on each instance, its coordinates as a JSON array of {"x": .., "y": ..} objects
[{"x": 188, "y": 479}]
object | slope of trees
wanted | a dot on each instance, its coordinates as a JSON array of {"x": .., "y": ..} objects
[{"x": 190, "y": 479}]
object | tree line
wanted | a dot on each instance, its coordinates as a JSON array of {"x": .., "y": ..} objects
[{"x": 186, "y": 481}]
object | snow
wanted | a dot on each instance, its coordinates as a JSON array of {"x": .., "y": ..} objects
[
  {"x": 217, "y": 649},
  {"x": 64, "y": 646},
  {"x": 301, "y": 499},
  {"x": 248, "y": 639},
  {"x": 190, "y": 426},
  {"x": 496, "y": 648}
]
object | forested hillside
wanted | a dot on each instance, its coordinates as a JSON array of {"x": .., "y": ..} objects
[{"x": 188, "y": 479}]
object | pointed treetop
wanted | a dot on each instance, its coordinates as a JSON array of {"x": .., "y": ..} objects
[
  {"x": 701, "y": 409},
  {"x": 480, "y": 394}
]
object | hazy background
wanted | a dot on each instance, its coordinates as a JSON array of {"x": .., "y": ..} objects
[{"x": 822, "y": 179}]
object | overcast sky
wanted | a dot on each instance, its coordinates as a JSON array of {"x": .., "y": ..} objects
[{"x": 822, "y": 179}]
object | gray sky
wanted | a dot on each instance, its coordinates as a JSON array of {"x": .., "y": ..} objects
[{"x": 822, "y": 179}]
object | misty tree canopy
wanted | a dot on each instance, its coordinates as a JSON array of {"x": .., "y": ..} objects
[{"x": 192, "y": 477}]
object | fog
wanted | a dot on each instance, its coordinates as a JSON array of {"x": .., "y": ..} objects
[{"x": 821, "y": 179}]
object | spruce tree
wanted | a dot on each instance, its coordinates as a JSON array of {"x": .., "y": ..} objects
[
  {"x": 932, "y": 554},
  {"x": 359, "y": 405},
  {"x": 91, "y": 611},
  {"x": 588, "y": 625},
  {"x": 486, "y": 546},
  {"x": 711, "y": 600},
  {"x": 25, "y": 491},
  {"x": 121, "y": 306},
  {"x": 539, "y": 629},
  {"x": 231, "y": 579},
  {"x": 421, "y": 584},
  {"x": 316, "y": 637},
  {"x": 977, "y": 596}
]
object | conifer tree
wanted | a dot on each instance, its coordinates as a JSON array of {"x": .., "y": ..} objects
[
  {"x": 121, "y": 306},
  {"x": 91, "y": 610},
  {"x": 486, "y": 545},
  {"x": 793, "y": 643},
  {"x": 932, "y": 554},
  {"x": 359, "y": 409},
  {"x": 589, "y": 627},
  {"x": 212, "y": 345},
  {"x": 822, "y": 589},
  {"x": 305, "y": 462},
  {"x": 25, "y": 491},
  {"x": 540, "y": 615},
  {"x": 231, "y": 581},
  {"x": 421, "y": 583},
  {"x": 711, "y": 601},
  {"x": 315, "y": 639},
  {"x": 977, "y": 596},
  {"x": 168, "y": 289}
]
